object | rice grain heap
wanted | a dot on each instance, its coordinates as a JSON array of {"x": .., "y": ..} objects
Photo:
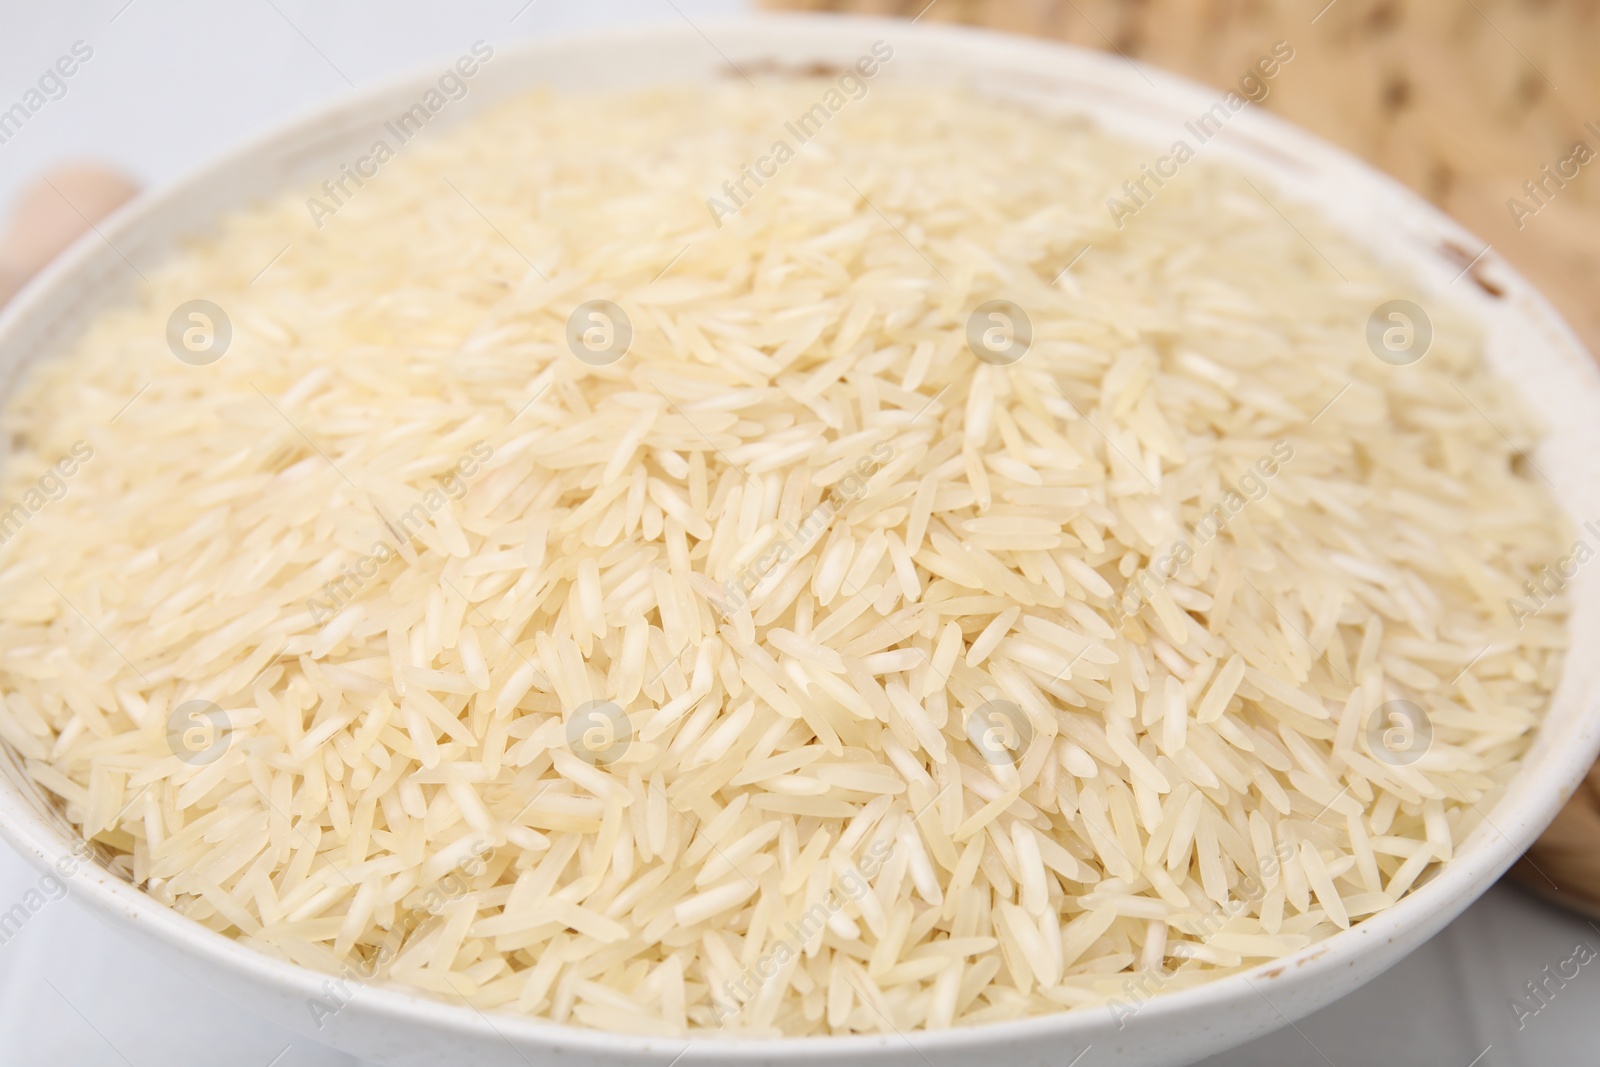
[{"x": 567, "y": 599}]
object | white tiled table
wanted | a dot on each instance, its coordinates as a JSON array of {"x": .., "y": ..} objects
[{"x": 171, "y": 83}]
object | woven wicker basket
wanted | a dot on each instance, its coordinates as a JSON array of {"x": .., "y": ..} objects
[{"x": 1464, "y": 102}]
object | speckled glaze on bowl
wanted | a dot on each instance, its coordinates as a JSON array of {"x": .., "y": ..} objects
[{"x": 1528, "y": 344}]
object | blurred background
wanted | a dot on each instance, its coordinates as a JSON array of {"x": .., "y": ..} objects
[{"x": 1481, "y": 106}]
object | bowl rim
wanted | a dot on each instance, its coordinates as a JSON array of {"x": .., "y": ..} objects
[{"x": 1454, "y": 883}]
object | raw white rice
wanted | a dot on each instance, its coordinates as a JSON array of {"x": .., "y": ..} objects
[{"x": 811, "y": 829}]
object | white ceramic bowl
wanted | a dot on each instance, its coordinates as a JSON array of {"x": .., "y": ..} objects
[{"x": 1528, "y": 343}]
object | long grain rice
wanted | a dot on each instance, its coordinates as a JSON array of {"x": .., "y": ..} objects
[{"x": 785, "y": 675}]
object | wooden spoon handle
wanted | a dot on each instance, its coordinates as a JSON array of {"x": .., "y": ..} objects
[{"x": 51, "y": 212}]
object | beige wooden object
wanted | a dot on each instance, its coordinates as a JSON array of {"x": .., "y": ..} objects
[{"x": 50, "y": 213}]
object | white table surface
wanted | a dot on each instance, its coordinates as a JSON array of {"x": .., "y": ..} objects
[{"x": 173, "y": 82}]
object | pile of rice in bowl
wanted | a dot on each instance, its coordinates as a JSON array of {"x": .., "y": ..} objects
[{"x": 622, "y": 581}]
